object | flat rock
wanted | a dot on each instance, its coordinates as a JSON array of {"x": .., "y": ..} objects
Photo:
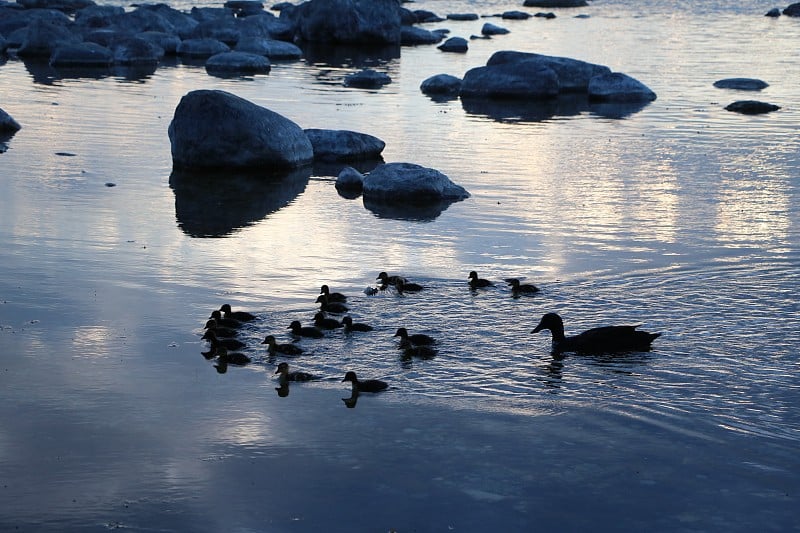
[
  {"x": 462, "y": 16},
  {"x": 201, "y": 47},
  {"x": 751, "y": 107},
  {"x": 441, "y": 84},
  {"x": 573, "y": 74},
  {"x": 271, "y": 48},
  {"x": 407, "y": 182},
  {"x": 367, "y": 79},
  {"x": 238, "y": 62},
  {"x": 86, "y": 54},
  {"x": 741, "y": 84},
  {"x": 619, "y": 87},
  {"x": 343, "y": 145}
]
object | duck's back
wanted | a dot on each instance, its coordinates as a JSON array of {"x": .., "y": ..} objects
[{"x": 609, "y": 339}]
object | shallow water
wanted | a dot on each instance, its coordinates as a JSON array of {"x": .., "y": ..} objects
[{"x": 680, "y": 216}]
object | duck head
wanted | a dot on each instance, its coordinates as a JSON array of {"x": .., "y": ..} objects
[
  {"x": 269, "y": 339},
  {"x": 283, "y": 368},
  {"x": 552, "y": 322},
  {"x": 350, "y": 376}
]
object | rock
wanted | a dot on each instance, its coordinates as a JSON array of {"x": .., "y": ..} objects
[
  {"x": 573, "y": 75},
  {"x": 167, "y": 42},
  {"x": 67, "y": 6},
  {"x": 349, "y": 21},
  {"x": 619, "y": 87},
  {"x": 136, "y": 51},
  {"x": 412, "y": 35},
  {"x": 367, "y": 79},
  {"x": 98, "y": 16},
  {"x": 741, "y": 84},
  {"x": 555, "y": 3},
  {"x": 774, "y": 12},
  {"x": 43, "y": 37},
  {"x": 793, "y": 10},
  {"x": 491, "y": 29},
  {"x": 545, "y": 15},
  {"x": 237, "y": 63},
  {"x": 462, "y": 16},
  {"x": 201, "y": 47},
  {"x": 515, "y": 15},
  {"x": 350, "y": 180},
  {"x": 270, "y": 48},
  {"x": 216, "y": 129},
  {"x": 513, "y": 80},
  {"x": 751, "y": 107},
  {"x": 7, "y": 123},
  {"x": 343, "y": 145},
  {"x": 85, "y": 54},
  {"x": 424, "y": 16},
  {"x": 441, "y": 84},
  {"x": 454, "y": 44},
  {"x": 407, "y": 182}
]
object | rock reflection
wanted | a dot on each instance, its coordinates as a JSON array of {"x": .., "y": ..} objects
[
  {"x": 417, "y": 212},
  {"x": 216, "y": 203},
  {"x": 43, "y": 74},
  {"x": 327, "y": 54},
  {"x": 4, "y": 139},
  {"x": 569, "y": 105}
]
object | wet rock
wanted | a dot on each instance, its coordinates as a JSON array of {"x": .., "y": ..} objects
[
  {"x": 343, "y": 145},
  {"x": 512, "y": 80},
  {"x": 462, "y": 16},
  {"x": 423, "y": 16},
  {"x": 237, "y": 63},
  {"x": 67, "y": 6},
  {"x": 774, "y": 12},
  {"x": 136, "y": 51},
  {"x": 167, "y": 42},
  {"x": 43, "y": 37},
  {"x": 515, "y": 15},
  {"x": 407, "y": 182},
  {"x": 349, "y": 21},
  {"x": 454, "y": 44},
  {"x": 492, "y": 29},
  {"x": 573, "y": 75},
  {"x": 441, "y": 84},
  {"x": 367, "y": 79},
  {"x": 350, "y": 182},
  {"x": 7, "y": 123},
  {"x": 86, "y": 54},
  {"x": 158, "y": 17},
  {"x": 741, "y": 84},
  {"x": 545, "y": 15},
  {"x": 244, "y": 8},
  {"x": 201, "y": 47},
  {"x": 619, "y": 87},
  {"x": 412, "y": 35},
  {"x": 751, "y": 107},
  {"x": 555, "y": 3},
  {"x": 792, "y": 10},
  {"x": 98, "y": 16},
  {"x": 270, "y": 48},
  {"x": 216, "y": 129}
]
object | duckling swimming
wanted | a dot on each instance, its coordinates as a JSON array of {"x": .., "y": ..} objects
[
  {"x": 332, "y": 296},
  {"x": 330, "y": 307},
  {"x": 222, "y": 321},
  {"x": 418, "y": 339},
  {"x": 368, "y": 385},
  {"x": 242, "y": 316},
  {"x": 324, "y": 322},
  {"x": 518, "y": 288},
  {"x": 307, "y": 331},
  {"x": 386, "y": 279},
  {"x": 407, "y": 286},
  {"x": 476, "y": 283},
  {"x": 286, "y": 349},
  {"x": 231, "y": 358},
  {"x": 349, "y": 325},
  {"x": 285, "y": 375},
  {"x": 596, "y": 340},
  {"x": 216, "y": 342},
  {"x": 220, "y": 331},
  {"x": 423, "y": 352}
]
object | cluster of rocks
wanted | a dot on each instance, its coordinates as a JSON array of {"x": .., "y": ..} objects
[
  {"x": 793, "y": 10},
  {"x": 746, "y": 107}
]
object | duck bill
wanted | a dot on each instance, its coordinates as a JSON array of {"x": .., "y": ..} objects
[{"x": 537, "y": 329}]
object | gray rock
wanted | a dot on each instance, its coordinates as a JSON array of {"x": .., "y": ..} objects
[
  {"x": 462, "y": 16},
  {"x": 201, "y": 47},
  {"x": 271, "y": 48},
  {"x": 555, "y": 3},
  {"x": 349, "y": 21},
  {"x": 350, "y": 180},
  {"x": 751, "y": 107},
  {"x": 441, "y": 84},
  {"x": 167, "y": 42},
  {"x": 573, "y": 75},
  {"x": 454, "y": 44},
  {"x": 136, "y": 51},
  {"x": 343, "y": 145},
  {"x": 43, "y": 37},
  {"x": 545, "y": 15},
  {"x": 238, "y": 63},
  {"x": 774, "y": 12},
  {"x": 492, "y": 29},
  {"x": 85, "y": 54},
  {"x": 216, "y": 129},
  {"x": 412, "y": 35},
  {"x": 513, "y": 80},
  {"x": 515, "y": 15},
  {"x": 367, "y": 79},
  {"x": 793, "y": 10},
  {"x": 67, "y": 6},
  {"x": 423, "y": 16},
  {"x": 619, "y": 87},
  {"x": 98, "y": 16},
  {"x": 7, "y": 123},
  {"x": 741, "y": 84},
  {"x": 407, "y": 182}
]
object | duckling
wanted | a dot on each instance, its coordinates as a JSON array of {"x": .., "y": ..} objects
[
  {"x": 216, "y": 342},
  {"x": 597, "y": 340},
  {"x": 349, "y": 325},
  {"x": 475, "y": 282},
  {"x": 286, "y": 349},
  {"x": 330, "y": 307},
  {"x": 222, "y": 321},
  {"x": 423, "y": 352},
  {"x": 323, "y": 322},
  {"x": 231, "y": 358},
  {"x": 386, "y": 279},
  {"x": 332, "y": 296},
  {"x": 242, "y": 316},
  {"x": 285, "y": 375},
  {"x": 368, "y": 385},
  {"x": 221, "y": 331},
  {"x": 405, "y": 286},
  {"x": 418, "y": 339},
  {"x": 518, "y": 288},
  {"x": 307, "y": 331}
]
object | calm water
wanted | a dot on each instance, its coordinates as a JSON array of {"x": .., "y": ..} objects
[{"x": 680, "y": 216}]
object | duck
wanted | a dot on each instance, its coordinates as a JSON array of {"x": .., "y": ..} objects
[
  {"x": 386, "y": 279},
  {"x": 332, "y": 296},
  {"x": 324, "y": 322},
  {"x": 418, "y": 339},
  {"x": 216, "y": 342},
  {"x": 242, "y": 316},
  {"x": 518, "y": 288},
  {"x": 407, "y": 286},
  {"x": 221, "y": 331},
  {"x": 222, "y": 321},
  {"x": 231, "y": 358},
  {"x": 286, "y": 349},
  {"x": 330, "y": 307},
  {"x": 596, "y": 340},
  {"x": 349, "y": 325},
  {"x": 285, "y": 375},
  {"x": 475, "y": 282},
  {"x": 308, "y": 331},
  {"x": 367, "y": 385}
]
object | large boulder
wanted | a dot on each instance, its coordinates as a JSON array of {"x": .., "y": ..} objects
[
  {"x": 216, "y": 129},
  {"x": 573, "y": 74},
  {"x": 43, "y": 37},
  {"x": 619, "y": 87},
  {"x": 82, "y": 55},
  {"x": 201, "y": 48},
  {"x": 407, "y": 182},
  {"x": 270, "y": 48},
  {"x": 523, "y": 80},
  {"x": 792, "y": 10},
  {"x": 349, "y": 21},
  {"x": 343, "y": 145}
]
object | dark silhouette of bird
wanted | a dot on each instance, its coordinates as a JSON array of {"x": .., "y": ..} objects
[
  {"x": 222, "y": 321},
  {"x": 386, "y": 279},
  {"x": 330, "y": 307},
  {"x": 332, "y": 296},
  {"x": 418, "y": 339},
  {"x": 216, "y": 342},
  {"x": 349, "y": 325},
  {"x": 231, "y": 358},
  {"x": 305, "y": 331},
  {"x": 286, "y": 349},
  {"x": 242, "y": 316},
  {"x": 368, "y": 385},
  {"x": 597, "y": 340},
  {"x": 220, "y": 331},
  {"x": 476, "y": 283},
  {"x": 285, "y": 375},
  {"x": 324, "y": 322},
  {"x": 407, "y": 286},
  {"x": 518, "y": 288}
]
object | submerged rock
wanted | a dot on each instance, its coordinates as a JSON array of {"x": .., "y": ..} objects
[
  {"x": 742, "y": 84},
  {"x": 407, "y": 182},
  {"x": 238, "y": 62},
  {"x": 751, "y": 107},
  {"x": 462, "y": 16},
  {"x": 619, "y": 87},
  {"x": 367, "y": 79},
  {"x": 216, "y": 129},
  {"x": 343, "y": 145}
]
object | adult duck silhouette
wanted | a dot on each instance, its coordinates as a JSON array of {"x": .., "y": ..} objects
[{"x": 605, "y": 339}]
